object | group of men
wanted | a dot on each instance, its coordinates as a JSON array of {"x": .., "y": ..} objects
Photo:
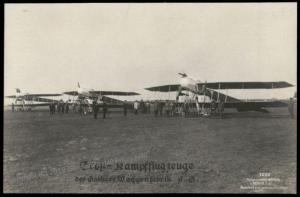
[
  {"x": 171, "y": 108},
  {"x": 60, "y": 107},
  {"x": 96, "y": 107},
  {"x": 142, "y": 106}
]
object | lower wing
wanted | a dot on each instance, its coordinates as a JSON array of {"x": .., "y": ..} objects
[
  {"x": 114, "y": 93},
  {"x": 31, "y": 105}
]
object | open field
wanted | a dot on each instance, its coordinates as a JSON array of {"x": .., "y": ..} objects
[{"x": 44, "y": 153}]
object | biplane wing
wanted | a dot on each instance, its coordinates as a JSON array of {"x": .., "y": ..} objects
[
  {"x": 242, "y": 105},
  {"x": 30, "y": 105},
  {"x": 246, "y": 85},
  {"x": 12, "y": 96},
  {"x": 111, "y": 100},
  {"x": 218, "y": 96},
  {"x": 103, "y": 93},
  {"x": 164, "y": 88},
  {"x": 32, "y": 96},
  {"x": 114, "y": 93},
  {"x": 226, "y": 85},
  {"x": 73, "y": 93}
]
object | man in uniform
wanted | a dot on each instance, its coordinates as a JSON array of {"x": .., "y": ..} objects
[
  {"x": 160, "y": 107},
  {"x": 221, "y": 108},
  {"x": 104, "y": 109},
  {"x": 95, "y": 109},
  {"x": 148, "y": 107},
  {"x": 155, "y": 107},
  {"x": 54, "y": 107},
  {"x": 213, "y": 107},
  {"x": 50, "y": 108},
  {"x": 136, "y": 106},
  {"x": 67, "y": 107},
  {"x": 172, "y": 108},
  {"x": 291, "y": 107},
  {"x": 62, "y": 107},
  {"x": 81, "y": 108},
  {"x": 125, "y": 108}
]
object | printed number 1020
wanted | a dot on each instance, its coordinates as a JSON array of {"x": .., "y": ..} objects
[{"x": 264, "y": 174}]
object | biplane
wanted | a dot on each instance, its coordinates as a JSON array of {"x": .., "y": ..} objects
[
  {"x": 87, "y": 96},
  {"x": 196, "y": 88},
  {"x": 24, "y": 100}
]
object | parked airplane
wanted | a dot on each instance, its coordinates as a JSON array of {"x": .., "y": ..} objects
[
  {"x": 24, "y": 101},
  {"x": 194, "y": 88},
  {"x": 87, "y": 95}
]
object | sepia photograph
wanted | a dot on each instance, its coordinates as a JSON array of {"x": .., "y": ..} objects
[{"x": 150, "y": 98}]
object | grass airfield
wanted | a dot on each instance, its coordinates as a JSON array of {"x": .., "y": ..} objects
[{"x": 69, "y": 153}]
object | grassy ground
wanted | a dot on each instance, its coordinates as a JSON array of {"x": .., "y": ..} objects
[{"x": 44, "y": 153}]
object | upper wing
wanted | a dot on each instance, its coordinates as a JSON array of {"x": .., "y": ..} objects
[
  {"x": 114, "y": 93},
  {"x": 165, "y": 88},
  {"x": 33, "y": 95},
  {"x": 12, "y": 96},
  {"x": 246, "y": 85},
  {"x": 73, "y": 93},
  {"x": 39, "y": 95}
]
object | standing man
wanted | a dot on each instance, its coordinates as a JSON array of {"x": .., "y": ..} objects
[
  {"x": 172, "y": 108},
  {"x": 54, "y": 107},
  {"x": 50, "y": 108},
  {"x": 63, "y": 107},
  {"x": 155, "y": 106},
  {"x": 136, "y": 107},
  {"x": 74, "y": 107},
  {"x": 95, "y": 109},
  {"x": 291, "y": 107},
  {"x": 221, "y": 108},
  {"x": 58, "y": 107},
  {"x": 142, "y": 106},
  {"x": 67, "y": 107},
  {"x": 160, "y": 108},
  {"x": 213, "y": 107},
  {"x": 12, "y": 107},
  {"x": 104, "y": 109},
  {"x": 125, "y": 108},
  {"x": 80, "y": 108},
  {"x": 148, "y": 107},
  {"x": 185, "y": 108},
  {"x": 167, "y": 108}
]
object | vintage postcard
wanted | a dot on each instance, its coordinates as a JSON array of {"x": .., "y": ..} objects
[{"x": 150, "y": 98}]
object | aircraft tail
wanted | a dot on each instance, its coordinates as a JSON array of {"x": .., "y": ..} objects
[
  {"x": 18, "y": 90},
  {"x": 183, "y": 74}
]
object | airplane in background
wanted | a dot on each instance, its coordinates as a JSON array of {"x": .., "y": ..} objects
[
  {"x": 24, "y": 100},
  {"x": 86, "y": 95},
  {"x": 208, "y": 89}
]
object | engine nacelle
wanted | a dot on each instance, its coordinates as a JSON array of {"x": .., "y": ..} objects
[{"x": 189, "y": 84}]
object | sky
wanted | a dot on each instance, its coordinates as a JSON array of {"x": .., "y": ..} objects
[{"x": 127, "y": 47}]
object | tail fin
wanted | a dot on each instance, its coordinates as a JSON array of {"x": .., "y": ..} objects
[
  {"x": 18, "y": 90},
  {"x": 78, "y": 85},
  {"x": 183, "y": 74}
]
